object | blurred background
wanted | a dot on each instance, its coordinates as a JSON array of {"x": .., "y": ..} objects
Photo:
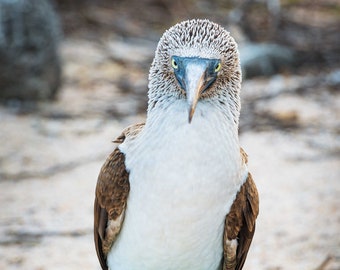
[{"x": 74, "y": 73}]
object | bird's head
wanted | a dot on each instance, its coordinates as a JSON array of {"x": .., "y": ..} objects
[{"x": 196, "y": 60}]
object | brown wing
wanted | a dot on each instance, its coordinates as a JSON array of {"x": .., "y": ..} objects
[
  {"x": 112, "y": 191},
  {"x": 240, "y": 224}
]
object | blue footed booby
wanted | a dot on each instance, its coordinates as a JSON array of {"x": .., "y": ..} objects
[{"x": 176, "y": 194}]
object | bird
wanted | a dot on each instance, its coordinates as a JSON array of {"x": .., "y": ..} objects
[{"x": 176, "y": 193}]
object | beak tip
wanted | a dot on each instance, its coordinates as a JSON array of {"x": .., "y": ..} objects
[{"x": 191, "y": 114}]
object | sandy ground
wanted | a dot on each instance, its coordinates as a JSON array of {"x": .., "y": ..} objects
[{"x": 50, "y": 159}]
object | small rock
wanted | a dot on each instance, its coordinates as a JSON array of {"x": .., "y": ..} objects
[
  {"x": 132, "y": 51},
  {"x": 29, "y": 61},
  {"x": 264, "y": 59},
  {"x": 292, "y": 110}
]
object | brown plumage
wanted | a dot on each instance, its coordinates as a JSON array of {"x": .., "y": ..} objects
[
  {"x": 240, "y": 224},
  {"x": 111, "y": 195}
]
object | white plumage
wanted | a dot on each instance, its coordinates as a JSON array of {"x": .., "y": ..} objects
[{"x": 183, "y": 180}]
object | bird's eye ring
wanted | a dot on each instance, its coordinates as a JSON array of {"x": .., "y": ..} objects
[
  {"x": 174, "y": 63},
  {"x": 218, "y": 67}
]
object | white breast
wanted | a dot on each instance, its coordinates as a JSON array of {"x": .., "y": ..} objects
[{"x": 183, "y": 179}]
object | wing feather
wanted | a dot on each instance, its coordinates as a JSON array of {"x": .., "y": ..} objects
[
  {"x": 240, "y": 224},
  {"x": 112, "y": 191}
]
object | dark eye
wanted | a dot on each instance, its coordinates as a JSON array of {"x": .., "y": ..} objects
[
  {"x": 218, "y": 67},
  {"x": 174, "y": 63}
]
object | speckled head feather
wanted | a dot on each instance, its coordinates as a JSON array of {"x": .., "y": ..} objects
[{"x": 197, "y": 38}]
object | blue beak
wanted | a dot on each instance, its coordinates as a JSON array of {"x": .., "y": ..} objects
[{"x": 195, "y": 75}]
